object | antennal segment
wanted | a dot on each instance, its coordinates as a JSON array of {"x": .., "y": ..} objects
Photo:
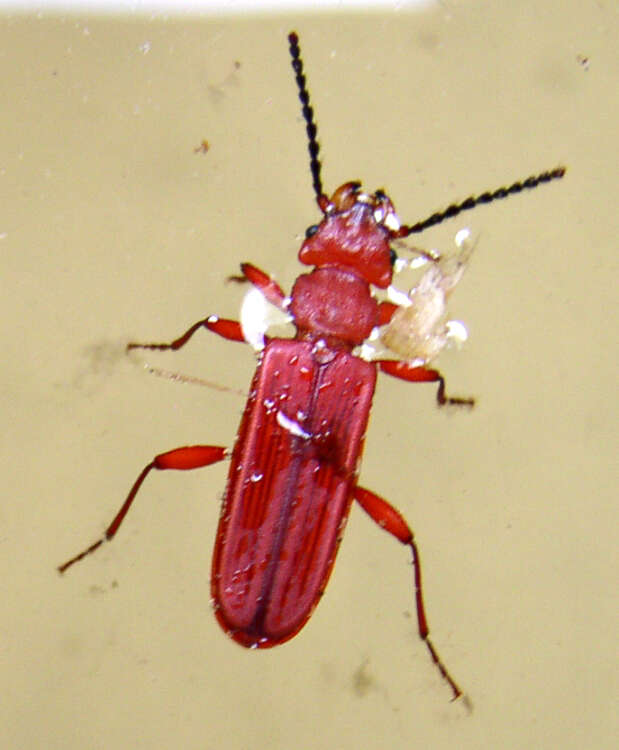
[
  {"x": 476, "y": 200},
  {"x": 308, "y": 115}
]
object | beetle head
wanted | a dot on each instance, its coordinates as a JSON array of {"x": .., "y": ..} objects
[{"x": 354, "y": 234}]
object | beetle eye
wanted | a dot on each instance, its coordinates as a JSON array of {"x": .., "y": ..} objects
[
  {"x": 311, "y": 231},
  {"x": 393, "y": 256}
]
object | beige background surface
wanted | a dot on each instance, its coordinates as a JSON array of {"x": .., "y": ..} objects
[{"x": 112, "y": 228}]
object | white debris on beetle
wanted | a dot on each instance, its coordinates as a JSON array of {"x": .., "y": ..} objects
[
  {"x": 418, "y": 331},
  {"x": 293, "y": 427},
  {"x": 387, "y": 217},
  {"x": 257, "y": 316}
]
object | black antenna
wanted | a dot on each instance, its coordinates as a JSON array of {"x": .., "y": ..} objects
[
  {"x": 476, "y": 200},
  {"x": 308, "y": 115}
]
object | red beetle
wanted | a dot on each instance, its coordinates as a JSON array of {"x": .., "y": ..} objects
[{"x": 294, "y": 467}]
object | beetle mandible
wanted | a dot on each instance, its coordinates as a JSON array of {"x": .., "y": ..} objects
[{"x": 294, "y": 466}]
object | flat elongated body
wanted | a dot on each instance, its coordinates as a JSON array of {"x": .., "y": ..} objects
[
  {"x": 293, "y": 473},
  {"x": 289, "y": 489}
]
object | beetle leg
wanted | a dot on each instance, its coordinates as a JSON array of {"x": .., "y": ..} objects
[
  {"x": 386, "y": 310},
  {"x": 405, "y": 371},
  {"x": 183, "y": 459},
  {"x": 390, "y": 519},
  {"x": 262, "y": 281},
  {"x": 227, "y": 329}
]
